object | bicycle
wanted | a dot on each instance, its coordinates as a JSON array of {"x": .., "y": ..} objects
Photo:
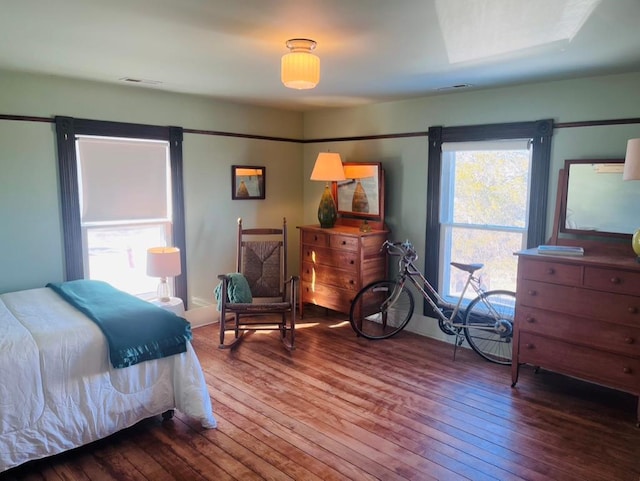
[{"x": 383, "y": 308}]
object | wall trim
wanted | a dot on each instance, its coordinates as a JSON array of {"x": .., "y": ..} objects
[{"x": 562, "y": 125}]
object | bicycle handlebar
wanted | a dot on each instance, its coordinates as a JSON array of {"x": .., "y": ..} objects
[{"x": 404, "y": 249}]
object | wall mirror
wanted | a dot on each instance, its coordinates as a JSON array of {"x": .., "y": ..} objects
[
  {"x": 598, "y": 202},
  {"x": 361, "y": 195}
]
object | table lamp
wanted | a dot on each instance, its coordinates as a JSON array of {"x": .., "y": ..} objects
[
  {"x": 163, "y": 262},
  {"x": 328, "y": 167},
  {"x": 632, "y": 172}
]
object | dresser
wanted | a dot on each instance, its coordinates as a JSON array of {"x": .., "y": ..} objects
[
  {"x": 335, "y": 263},
  {"x": 579, "y": 316}
]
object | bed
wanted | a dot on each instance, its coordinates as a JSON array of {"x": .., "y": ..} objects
[{"x": 59, "y": 389}]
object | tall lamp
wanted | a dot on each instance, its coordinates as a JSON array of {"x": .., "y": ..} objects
[
  {"x": 632, "y": 172},
  {"x": 328, "y": 168},
  {"x": 163, "y": 262}
]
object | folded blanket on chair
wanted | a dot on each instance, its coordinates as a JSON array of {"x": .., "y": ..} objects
[
  {"x": 136, "y": 330},
  {"x": 238, "y": 290}
]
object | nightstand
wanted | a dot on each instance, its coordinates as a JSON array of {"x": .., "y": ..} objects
[{"x": 174, "y": 305}]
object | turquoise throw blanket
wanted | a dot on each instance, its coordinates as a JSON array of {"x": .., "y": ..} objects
[
  {"x": 136, "y": 330},
  {"x": 238, "y": 290}
]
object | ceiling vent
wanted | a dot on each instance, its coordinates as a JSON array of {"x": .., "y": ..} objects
[{"x": 140, "y": 81}]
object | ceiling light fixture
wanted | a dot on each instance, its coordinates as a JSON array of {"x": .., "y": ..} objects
[{"x": 300, "y": 68}]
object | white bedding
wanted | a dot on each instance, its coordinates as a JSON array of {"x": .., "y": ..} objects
[{"x": 58, "y": 390}]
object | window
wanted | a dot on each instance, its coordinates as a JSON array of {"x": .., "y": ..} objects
[
  {"x": 97, "y": 235},
  {"x": 453, "y": 224},
  {"x": 478, "y": 180},
  {"x": 125, "y": 208}
]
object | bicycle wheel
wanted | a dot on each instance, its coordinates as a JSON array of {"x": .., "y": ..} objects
[
  {"x": 488, "y": 325},
  {"x": 378, "y": 311}
]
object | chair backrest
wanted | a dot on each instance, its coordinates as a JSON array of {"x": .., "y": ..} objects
[{"x": 262, "y": 258}]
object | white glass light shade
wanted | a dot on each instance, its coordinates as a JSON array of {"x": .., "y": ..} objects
[
  {"x": 632, "y": 161},
  {"x": 300, "y": 69},
  {"x": 163, "y": 262},
  {"x": 328, "y": 167}
]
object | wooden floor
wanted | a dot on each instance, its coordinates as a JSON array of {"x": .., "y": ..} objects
[{"x": 340, "y": 407}]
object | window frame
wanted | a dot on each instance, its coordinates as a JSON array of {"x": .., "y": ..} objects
[
  {"x": 67, "y": 128},
  {"x": 539, "y": 131}
]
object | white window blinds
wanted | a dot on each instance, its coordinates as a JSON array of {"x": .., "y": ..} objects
[
  {"x": 487, "y": 145},
  {"x": 123, "y": 179}
]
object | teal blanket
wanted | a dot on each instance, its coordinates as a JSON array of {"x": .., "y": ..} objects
[
  {"x": 136, "y": 330},
  {"x": 238, "y": 290}
]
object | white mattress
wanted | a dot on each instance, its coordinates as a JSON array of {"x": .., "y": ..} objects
[{"x": 59, "y": 391}]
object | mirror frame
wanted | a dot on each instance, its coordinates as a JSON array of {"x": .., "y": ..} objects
[
  {"x": 563, "y": 192},
  {"x": 345, "y": 207}
]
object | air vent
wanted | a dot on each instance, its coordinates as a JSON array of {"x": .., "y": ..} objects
[
  {"x": 140, "y": 81},
  {"x": 456, "y": 87}
]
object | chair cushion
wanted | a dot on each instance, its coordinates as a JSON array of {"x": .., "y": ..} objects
[{"x": 237, "y": 289}]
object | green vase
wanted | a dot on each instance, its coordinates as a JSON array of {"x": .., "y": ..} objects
[
  {"x": 635, "y": 243},
  {"x": 327, "y": 213}
]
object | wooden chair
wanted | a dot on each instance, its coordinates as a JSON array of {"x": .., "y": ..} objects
[{"x": 262, "y": 259}]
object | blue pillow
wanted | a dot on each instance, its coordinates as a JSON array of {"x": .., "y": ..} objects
[{"x": 238, "y": 290}]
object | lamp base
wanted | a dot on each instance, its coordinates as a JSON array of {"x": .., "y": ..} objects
[
  {"x": 635, "y": 244},
  {"x": 327, "y": 212},
  {"x": 163, "y": 290}
]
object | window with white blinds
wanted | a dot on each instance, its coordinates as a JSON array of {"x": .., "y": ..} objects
[{"x": 125, "y": 208}]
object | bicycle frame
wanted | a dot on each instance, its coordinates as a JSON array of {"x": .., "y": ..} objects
[{"x": 408, "y": 270}]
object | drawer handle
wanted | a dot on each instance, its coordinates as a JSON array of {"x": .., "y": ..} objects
[
  {"x": 352, "y": 262},
  {"x": 629, "y": 340},
  {"x": 529, "y": 346},
  {"x": 551, "y": 271},
  {"x": 627, "y": 370},
  {"x": 531, "y": 319},
  {"x": 633, "y": 310},
  {"x": 532, "y": 293},
  {"x": 615, "y": 280},
  {"x": 351, "y": 281},
  {"x": 344, "y": 243}
]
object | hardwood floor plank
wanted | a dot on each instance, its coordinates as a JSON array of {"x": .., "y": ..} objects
[
  {"x": 360, "y": 416},
  {"x": 488, "y": 427},
  {"x": 314, "y": 456}
]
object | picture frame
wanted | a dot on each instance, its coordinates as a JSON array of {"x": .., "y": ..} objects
[
  {"x": 248, "y": 182},
  {"x": 361, "y": 195}
]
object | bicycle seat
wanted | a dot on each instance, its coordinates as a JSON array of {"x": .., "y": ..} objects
[{"x": 470, "y": 268}]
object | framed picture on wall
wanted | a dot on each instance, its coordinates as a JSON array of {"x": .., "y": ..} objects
[{"x": 247, "y": 182}]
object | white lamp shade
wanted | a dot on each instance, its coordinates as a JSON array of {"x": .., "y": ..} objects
[
  {"x": 632, "y": 161},
  {"x": 328, "y": 167},
  {"x": 163, "y": 261}
]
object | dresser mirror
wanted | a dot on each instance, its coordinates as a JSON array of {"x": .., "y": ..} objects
[
  {"x": 361, "y": 195},
  {"x": 597, "y": 202}
]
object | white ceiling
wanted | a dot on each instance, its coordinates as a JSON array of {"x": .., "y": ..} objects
[{"x": 370, "y": 50}]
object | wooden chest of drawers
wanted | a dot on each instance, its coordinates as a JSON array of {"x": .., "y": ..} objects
[
  {"x": 336, "y": 263},
  {"x": 579, "y": 316}
]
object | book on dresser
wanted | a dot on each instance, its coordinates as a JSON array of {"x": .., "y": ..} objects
[{"x": 556, "y": 250}]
